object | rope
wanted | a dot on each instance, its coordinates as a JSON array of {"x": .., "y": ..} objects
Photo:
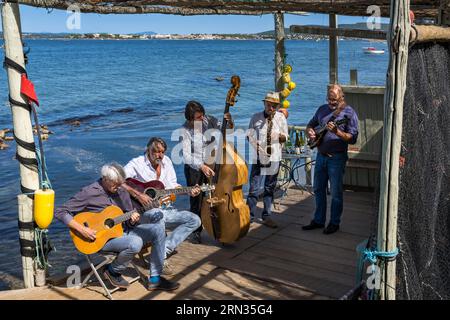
[
  {"x": 368, "y": 253},
  {"x": 372, "y": 255},
  {"x": 40, "y": 156},
  {"x": 43, "y": 247}
]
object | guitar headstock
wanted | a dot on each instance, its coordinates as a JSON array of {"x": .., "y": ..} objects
[{"x": 233, "y": 92}]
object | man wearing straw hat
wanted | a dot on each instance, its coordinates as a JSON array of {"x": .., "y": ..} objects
[{"x": 267, "y": 130}]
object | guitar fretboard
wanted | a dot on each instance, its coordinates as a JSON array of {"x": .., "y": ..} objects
[
  {"x": 175, "y": 191},
  {"x": 127, "y": 215}
]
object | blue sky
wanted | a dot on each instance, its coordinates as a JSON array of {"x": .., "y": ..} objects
[{"x": 39, "y": 20}]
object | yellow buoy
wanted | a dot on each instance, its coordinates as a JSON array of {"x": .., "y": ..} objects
[
  {"x": 44, "y": 203},
  {"x": 286, "y": 92},
  {"x": 286, "y": 104},
  {"x": 286, "y": 77},
  {"x": 291, "y": 85},
  {"x": 287, "y": 68}
]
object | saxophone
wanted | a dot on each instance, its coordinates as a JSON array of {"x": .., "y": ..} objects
[{"x": 269, "y": 134}]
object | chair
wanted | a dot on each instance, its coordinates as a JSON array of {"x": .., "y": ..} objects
[{"x": 108, "y": 258}]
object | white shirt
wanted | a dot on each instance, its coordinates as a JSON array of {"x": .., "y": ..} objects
[
  {"x": 258, "y": 133},
  {"x": 141, "y": 169}
]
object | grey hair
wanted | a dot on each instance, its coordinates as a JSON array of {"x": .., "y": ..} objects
[
  {"x": 113, "y": 172},
  {"x": 151, "y": 144}
]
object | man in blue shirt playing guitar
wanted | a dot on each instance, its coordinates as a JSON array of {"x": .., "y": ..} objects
[{"x": 333, "y": 127}]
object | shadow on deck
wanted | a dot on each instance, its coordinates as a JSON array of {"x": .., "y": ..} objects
[{"x": 282, "y": 263}]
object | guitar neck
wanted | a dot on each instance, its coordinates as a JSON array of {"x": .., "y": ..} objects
[
  {"x": 127, "y": 215},
  {"x": 176, "y": 191}
]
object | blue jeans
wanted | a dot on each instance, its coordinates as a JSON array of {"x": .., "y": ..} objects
[
  {"x": 257, "y": 174},
  {"x": 329, "y": 168},
  {"x": 128, "y": 245},
  {"x": 182, "y": 224}
]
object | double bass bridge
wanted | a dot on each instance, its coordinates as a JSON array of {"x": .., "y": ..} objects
[{"x": 215, "y": 201}]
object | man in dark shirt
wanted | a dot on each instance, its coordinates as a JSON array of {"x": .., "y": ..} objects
[
  {"x": 138, "y": 230},
  {"x": 331, "y": 156}
]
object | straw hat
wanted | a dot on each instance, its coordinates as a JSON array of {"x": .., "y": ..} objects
[{"x": 273, "y": 97}]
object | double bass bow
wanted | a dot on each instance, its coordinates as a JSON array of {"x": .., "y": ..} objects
[{"x": 225, "y": 215}]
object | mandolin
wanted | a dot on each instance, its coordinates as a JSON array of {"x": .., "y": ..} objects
[{"x": 322, "y": 131}]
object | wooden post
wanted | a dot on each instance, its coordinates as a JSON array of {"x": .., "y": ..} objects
[
  {"x": 398, "y": 41},
  {"x": 353, "y": 77},
  {"x": 22, "y": 127},
  {"x": 25, "y": 207},
  {"x": 333, "y": 51},
  {"x": 279, "y": 50}
]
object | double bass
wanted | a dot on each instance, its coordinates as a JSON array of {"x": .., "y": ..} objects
[{"x": 225, "y": 215}]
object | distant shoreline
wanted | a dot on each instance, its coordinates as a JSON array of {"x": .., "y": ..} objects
[{"x": 224, "y": 39}]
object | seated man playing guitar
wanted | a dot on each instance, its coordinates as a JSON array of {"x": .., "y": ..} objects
[
  {"x": 107, "y": 192},
  {"x": 154, "y": 165}
]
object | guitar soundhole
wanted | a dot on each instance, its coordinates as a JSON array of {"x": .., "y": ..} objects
[
  {"x": 151, "y": 193},
  {"x": 109, "y": 223}
]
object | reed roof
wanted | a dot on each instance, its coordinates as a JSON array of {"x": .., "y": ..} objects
[{"x": 421, "y": 8}]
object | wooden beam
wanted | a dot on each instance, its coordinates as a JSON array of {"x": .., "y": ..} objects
[
  {"x": 279, "y": 50},
  {"x": 333, "y": 50},
  {"x": 421, "y": 34},
  {"x": 339, "y": 32},
  {"x": 398, "y": 42}
]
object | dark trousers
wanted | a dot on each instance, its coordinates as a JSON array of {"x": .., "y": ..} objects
[
  {"x": 270, "y": 182},
  {"x": 194, "y": 177}
]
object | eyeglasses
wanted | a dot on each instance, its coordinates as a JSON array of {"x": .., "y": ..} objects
[{"x": 272, "y": 105}]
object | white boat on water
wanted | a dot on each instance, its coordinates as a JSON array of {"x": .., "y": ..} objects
[{"x": 372, "y": 50}]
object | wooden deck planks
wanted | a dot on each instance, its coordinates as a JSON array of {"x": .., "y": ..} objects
[{"x": 282, "y": 263}]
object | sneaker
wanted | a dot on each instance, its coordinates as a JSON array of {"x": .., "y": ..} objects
[
  {"x": 268, "y": 222},
  {"x": 116, "y": 279},
  {"x": 313, "y": 225},
  {"x": 163, "y": 284},
  {"x": 174, "y": 252},
  {"x": 167, "y": 269},
  {"x": 331, "y": 228},
  {"x": 196, "y": 238}
]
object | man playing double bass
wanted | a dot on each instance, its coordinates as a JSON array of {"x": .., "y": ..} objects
[
  {"x": 194, "y": 152},
  {"x": 266, "y": 132}
]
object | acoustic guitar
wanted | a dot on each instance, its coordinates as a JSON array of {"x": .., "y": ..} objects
[
  {"x": 107, "y": 224},
  {"x": 322, "y": 131},
  {"x": 155, "y": 189}
]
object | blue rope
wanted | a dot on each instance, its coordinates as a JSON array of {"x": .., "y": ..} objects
[
  {"x": 372, "y": 255},
  {"x": 43, "y": 176}
]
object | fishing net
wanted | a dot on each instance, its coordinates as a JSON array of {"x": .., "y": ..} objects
[{"x": 423, "y": 265}]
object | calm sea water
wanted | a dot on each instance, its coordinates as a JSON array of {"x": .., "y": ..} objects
[{"x": 127, "y": 91}]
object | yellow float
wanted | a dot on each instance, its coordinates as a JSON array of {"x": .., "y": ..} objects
[
  {"x": 285, "y": 93},
  {"x": 44, "y": 203}
]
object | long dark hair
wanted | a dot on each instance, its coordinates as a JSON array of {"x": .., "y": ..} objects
[{"x": 191, "y": 108}]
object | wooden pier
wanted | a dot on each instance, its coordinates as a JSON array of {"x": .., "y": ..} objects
[{"x": 282, "y": 263}]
